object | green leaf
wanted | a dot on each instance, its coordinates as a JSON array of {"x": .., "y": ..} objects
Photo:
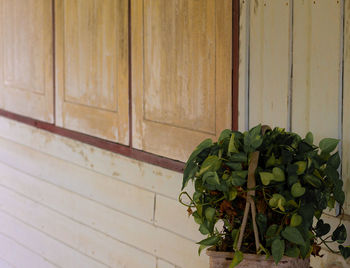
[
  {"x": 204, "y": 229},
  {"x": 344, "y": 251},
  {"x": 306, "y": 249},
  {"x": 322, "y": 228},
  {"x": 327, "y": 145},
  {"x": 201, "y": 247},
  {"x": 331, "y": 202},
  {"x": 232, "y": 194},
  {"x": 278, "y": 174},
  {"x": 266, "y": 177},
  {"x": 272, "y": 230},
  {"x": 237, "y": 180},
  {"x": 234, "y": 165},
  {"x": 190, "y": 167},
  {"x": 231, "y": 146},
  {"x": 211, "y": 178},
  {"x": 241, "y": 173},
  {"x": 239, "y": 157},
  {"x": 271, "y": 161},
  {"x": 224, "y": 134},
  {"x": 307, "y": 211},
  {"x": 293, "y": 252},
  {"x": 301, "y": 167},
  {"x": 210, "y": 213},
  {"x": 297, "y": 190},
  {"x": 255, "y": 131},
  {"x": 313, "y": 180},
  {"x": 277, "y": 249},
  {"x": 339, "y": 196},
  {"x": 265, "y": 250},
  {"x": 292, "y": 179},
  {"x": 261, "y": 221},
  {"x": 332, "y": 173},
  {"x": 296, "y": 220},
  {"x": 237, "y": 258},
  {"x": 252, "y": 139},
  {"x": 234, "y": 234},
  {"x": 293, "y": 235},
  {"x": 210, "y": 241},
  {"x": 339, "y": 234},
  {"x": 197, "y": 218},
  {"x": 277, "y": 200},
  {"x": 334, "y": 160},
  {"x": 209, "y": 164},
  {"x": 196, "y": 197},
  {"x": 202, "y": 146},
  {"x": 292, "y": 169},
  {"x": 189, "y": 172},
  {"x": 309, "y": 138}
]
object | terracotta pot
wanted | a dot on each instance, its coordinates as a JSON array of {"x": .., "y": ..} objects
[{"x": 220, "y": 259}]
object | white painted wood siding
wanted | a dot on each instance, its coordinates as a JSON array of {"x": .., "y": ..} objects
[{"x": 68, "y": 204}]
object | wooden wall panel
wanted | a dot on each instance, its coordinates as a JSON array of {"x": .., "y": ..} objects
[
  {"x": 19, "y": 256},
  {"x": 316, "y": 67},
  {"x": 181, "y": 60},
  {"x": 269, "y": 62},
  {"x": 346, "y": 108},
  {"x": 26, "y": 66},
  {"x": 243, "y": 69},
  {"x": 49, "y": 248},
  {"x": 92, "y": 67},
  {"x": 91, "y": 242}
]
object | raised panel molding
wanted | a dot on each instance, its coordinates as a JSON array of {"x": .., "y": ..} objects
[
  {"x": 181, "y": 73},
  {"x": 92, "y": 67},
  {"x": 26, "y": 58}
]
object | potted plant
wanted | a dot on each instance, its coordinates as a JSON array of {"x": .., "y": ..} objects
[{"x": 259, "y": 197}]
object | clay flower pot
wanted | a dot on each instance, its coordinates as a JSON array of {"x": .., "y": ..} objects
[{"x": 219, "y": 259}]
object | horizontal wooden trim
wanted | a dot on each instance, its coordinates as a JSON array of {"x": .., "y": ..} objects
[{"x": 98, "y": 142}]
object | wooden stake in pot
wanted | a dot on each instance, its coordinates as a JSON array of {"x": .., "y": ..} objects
[{"x": 250, "y": 201}]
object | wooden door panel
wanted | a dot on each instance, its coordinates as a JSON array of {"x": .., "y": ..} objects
[
  {"x": 181, "y": 66},
  {"x": 92, "y": 67},
  {"x": 26, "y": 65}
]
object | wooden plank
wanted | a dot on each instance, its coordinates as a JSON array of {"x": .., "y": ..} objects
[
  {"x": 181, "y": 74},
  {"x": 316, "y": 67},
  {"x": 5, "y": 264},
  {"x": 144, "y": 175},
  {"x": 26, "y": 58},
  {"x": 110, "y": 192},
  {"x": 49, "y": 248},
  {"x": 269, "y": 62},
  {"x": 170, "y": 214},
  {"x": 94, "y": 244},
  {"x": 19, "y": 256},
  {"x": 92, "y": 67},
  {"x": 346, "y": 109},
  {"x": 98, "y": 222},
  {"x": 243, "y": 64},
  {"x": 164, "y": 264}
]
